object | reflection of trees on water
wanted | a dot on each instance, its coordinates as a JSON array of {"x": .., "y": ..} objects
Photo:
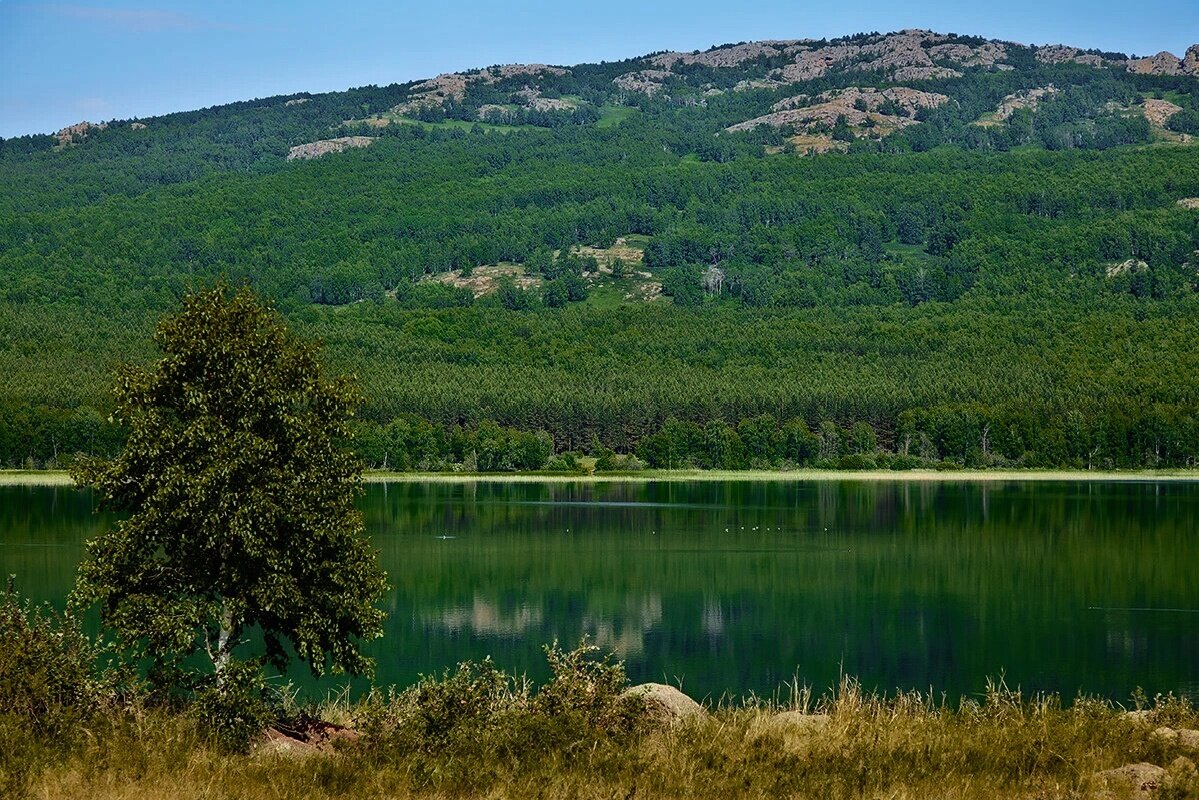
[
  {"x": 484, "y": 618},
  {"x": 744, "y": 585},
  {"x": 622, "y": 632},
  {"x": 625, "y": 633}
]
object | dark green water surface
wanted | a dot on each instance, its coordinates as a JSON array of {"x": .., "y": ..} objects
[{"x": 743, "y": 586}]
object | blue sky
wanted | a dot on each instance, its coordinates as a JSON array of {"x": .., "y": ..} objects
[{"x": 64, "y": 62}]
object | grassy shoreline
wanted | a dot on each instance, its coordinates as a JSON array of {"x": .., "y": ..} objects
[
  {"x": 506, "y": 744},
  {"x": 62, "y": 478}
]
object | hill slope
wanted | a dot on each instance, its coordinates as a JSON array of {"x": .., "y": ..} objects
[{"x": 918, "y": 244}]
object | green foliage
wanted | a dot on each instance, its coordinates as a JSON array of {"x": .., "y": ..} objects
[
  {"x": 236, "y": 710},
  {"x": 586, "y": 692},
  {"x": 479, "y": 717},
  {"x": 52, "y": 677},
  {"x": 240, "y": 502},
  {"x": 943, "y": 234}
]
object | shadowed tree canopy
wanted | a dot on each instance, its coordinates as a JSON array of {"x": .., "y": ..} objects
[{"x": 240, "y": 498}]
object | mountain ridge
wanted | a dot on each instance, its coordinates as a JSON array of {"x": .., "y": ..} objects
[{"x": 908, "y": 55}]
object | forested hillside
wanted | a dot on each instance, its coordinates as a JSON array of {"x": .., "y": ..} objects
[{"x": 892, "y": 250}]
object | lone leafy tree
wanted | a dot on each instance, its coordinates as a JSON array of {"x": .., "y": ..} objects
[{"x": 240, "y": 499}]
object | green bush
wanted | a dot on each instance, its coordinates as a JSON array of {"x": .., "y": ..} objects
[
  {"x": 237, "y": 709},
  {"x": 51, "y": 677},
  {"x": 585, "y": 692}
]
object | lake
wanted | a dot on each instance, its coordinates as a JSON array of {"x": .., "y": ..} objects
[{"x": 743, "y": 586}]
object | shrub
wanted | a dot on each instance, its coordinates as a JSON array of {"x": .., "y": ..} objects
[
  {"x": 238, "y": 708},
  {"x": 51, "y": 677},
  {"x": 586, "y": 692}
]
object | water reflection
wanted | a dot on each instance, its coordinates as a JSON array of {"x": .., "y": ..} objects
[{"x": 742, "y": 586}]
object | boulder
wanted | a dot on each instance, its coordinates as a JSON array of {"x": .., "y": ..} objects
[
  {"x": 1139, "y": 781},
  {"x": 1183, "y": 767},
  {"x": 1183, "y": 737},
  {"x": 665, "y": 703},
  {"x": 274, "y": 742}
]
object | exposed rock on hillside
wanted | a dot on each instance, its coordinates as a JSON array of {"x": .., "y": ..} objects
[
  {"x": 324, "y": 146},
  {"x": 888, "y": 109},
  {"x": 731, "y": 56},
  {"x": 1028, "y": 99},
  {"x": 907, "y": 55},
  {"x": 452, "y": 85},
  {"x": 1161, "y": 64},
  {"x": 297, "y": 101},
  {"x": 647, "y": 81},
  {"x": 758, "y": 83},
  {"x": 1060, "y": 54},
  {"x": 485, "y": 279},
  {"x": 1158, "y": 112},
  {"x": 77, "y": 132}
]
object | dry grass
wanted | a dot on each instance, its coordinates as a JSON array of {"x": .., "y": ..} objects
[{"x": 910, "y": 746}]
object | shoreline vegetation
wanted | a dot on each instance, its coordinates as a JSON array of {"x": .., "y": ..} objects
[
  {"x": 63, "y": 478},
  {"x": 478, "y": 731}
]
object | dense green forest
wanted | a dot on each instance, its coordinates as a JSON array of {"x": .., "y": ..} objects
[{"x": 959, "y": 286}]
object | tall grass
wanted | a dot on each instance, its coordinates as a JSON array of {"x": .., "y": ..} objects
[{"x": 480, "y": 733}]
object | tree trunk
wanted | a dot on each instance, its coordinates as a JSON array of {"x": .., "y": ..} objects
[{"x": 221, "y": 662}]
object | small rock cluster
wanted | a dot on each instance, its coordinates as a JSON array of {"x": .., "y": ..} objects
[
  {"x": 1029, "y": 99},
  {"x": 452, "y": 85},
  {"x": 325, "y": 146},
  {"x": 859, "y": 106}
]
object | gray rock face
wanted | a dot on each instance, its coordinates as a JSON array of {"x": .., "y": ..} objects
[
  {"x": 665, "y": 703},
  {"x": 1190, "y": 62},
  {"x": 1161, "y": 64}
]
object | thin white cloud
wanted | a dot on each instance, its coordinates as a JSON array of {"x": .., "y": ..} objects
[{"x": 138, "y": 20}]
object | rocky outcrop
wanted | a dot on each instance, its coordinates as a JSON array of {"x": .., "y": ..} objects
[
  {"x": 78, "y": 132},
  {"x": 891, "y": 108},
  {"x": 550, "y": 104},
  {"x": 1191, "y": 203},
  {"x": 1190, "y": 62},
  {"x": 665, "y": 703},
  {"x": 1061, "y": 54},
  {"x": 452, "y": 85},
  {"x": 1029, "y": 99},
  {"x": 907, "y": 55},
  {"x": 1161, "y": 64},
  {"x": 1158, "y": 112},
  {"x": 326, "y": 146},
  {"x": 646, "y": 81},
  {"x": 758, "y": 83},
  {"x": 730, "y": 56}
]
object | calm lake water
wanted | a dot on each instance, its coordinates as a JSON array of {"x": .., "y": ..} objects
[{"x": 742, "y": 586}]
